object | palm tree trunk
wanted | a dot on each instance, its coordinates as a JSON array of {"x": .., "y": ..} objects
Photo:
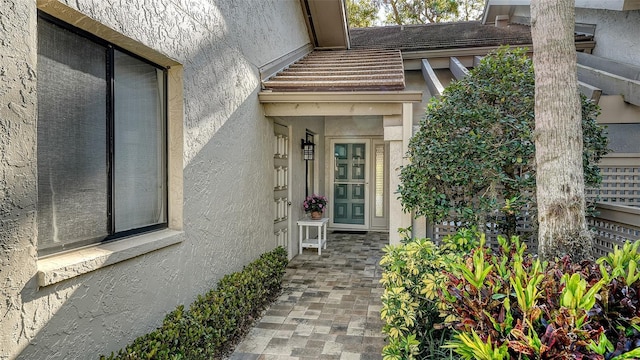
[{"x": 558, "y": 133}]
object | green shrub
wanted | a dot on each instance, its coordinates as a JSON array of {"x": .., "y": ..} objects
[
  {"x": 412, "y": 274},
  {"x": 473, "y": 156},
  {"x": 215, "y": 320},
  {"x": 509, "y": 305}
]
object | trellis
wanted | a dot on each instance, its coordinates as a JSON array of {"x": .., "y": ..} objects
[{"x": 618, "y": 208}]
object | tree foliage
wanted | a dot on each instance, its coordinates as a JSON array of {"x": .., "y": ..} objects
[
  {"x": 473, "y": 156},
  {"x": 402, "y": 12},
  {"x": 469, "y": 10},
  {"x": 362, "y": 13}
]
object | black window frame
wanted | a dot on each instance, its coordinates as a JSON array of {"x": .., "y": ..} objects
[{"x": 110, "y": 118}]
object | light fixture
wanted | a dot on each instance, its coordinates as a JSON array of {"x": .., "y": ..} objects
[{"x": 307, "y": 149}]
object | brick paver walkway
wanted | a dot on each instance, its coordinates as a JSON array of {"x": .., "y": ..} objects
[{"x": 330, "y": 306}]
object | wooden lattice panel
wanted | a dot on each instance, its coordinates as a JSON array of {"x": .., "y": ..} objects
[
  {"x": 615, "y": 225},
  {"x": 524, "y": 230},
  {"x": 620, "y": 180},
  {"x": 619, "y": 208},
  {"x": 443, "y": 229},
  {"x": 607, "y": 234}
]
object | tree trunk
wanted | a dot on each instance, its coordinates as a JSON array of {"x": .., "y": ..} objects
[
  {"x": 558, "y": 133},
  {"x": 396, "y": 14}
]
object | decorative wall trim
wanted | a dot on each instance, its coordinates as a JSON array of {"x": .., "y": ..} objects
[{"x": 60, "y": 267}]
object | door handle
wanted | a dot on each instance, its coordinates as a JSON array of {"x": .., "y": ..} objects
[{"x": 289, "y": 203}]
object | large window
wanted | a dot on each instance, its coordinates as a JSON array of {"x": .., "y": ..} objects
[{"x": 101, "y": 140}]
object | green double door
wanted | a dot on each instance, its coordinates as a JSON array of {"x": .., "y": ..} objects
[{"x": 350, "y": 184}]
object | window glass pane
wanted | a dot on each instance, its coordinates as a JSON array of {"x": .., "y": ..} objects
[
  {"x": 379, "y": 180},
  {"x": 139, "y": 145},
  {"x": 72, "y": 165}
]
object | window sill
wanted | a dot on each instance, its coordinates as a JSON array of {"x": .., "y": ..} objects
[{"x": 57, "y": 268}]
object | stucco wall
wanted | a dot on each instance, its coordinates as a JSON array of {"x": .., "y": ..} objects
[
  {"x": 345, "y": 126},
  {"x": 228, "y": 167},
  {"x": 415, "y": 81},
  {"x": 617, "y": 33}
]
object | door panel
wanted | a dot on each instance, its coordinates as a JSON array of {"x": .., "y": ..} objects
[
  {"x": 350, "y": 180},
  {"x": 281, "y": 189}
]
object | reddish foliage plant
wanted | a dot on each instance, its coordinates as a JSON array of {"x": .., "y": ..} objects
[{"x": 506, "y": 304}]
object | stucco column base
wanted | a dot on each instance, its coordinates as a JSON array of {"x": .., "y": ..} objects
[
  {"x": 419, "y": 226},
  {"x": 398, "y": 130},
  {"x": 398, "y": 219}
]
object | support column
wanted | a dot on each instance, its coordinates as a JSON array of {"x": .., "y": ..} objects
[
  {"x": 419, "y": 227},
  {"x": 398, "y": 131},
  {"x": 397, "y": 218}
]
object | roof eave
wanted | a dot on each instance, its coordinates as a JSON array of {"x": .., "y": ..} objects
[
  {"x": 326, "y": 23},
  {"x": 337, "y": 103},
  {"x": 340, "y": 96},
  {"x": 505, "y": 6}
]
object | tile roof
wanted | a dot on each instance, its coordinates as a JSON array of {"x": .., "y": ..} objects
[
  {"x": 374, "y": 62},
  {"x": 438, "y": 36},
  {"x": 342, "y": 70}
]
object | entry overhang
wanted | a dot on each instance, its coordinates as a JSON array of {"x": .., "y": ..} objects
[
  {"x": 340, "y": 71},
  {"x": 336, "y": 103}
]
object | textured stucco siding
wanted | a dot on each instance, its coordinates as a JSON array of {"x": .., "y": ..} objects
[
  {"x": 617, "y": 33},
  {"x": 228, "y": 166},
  {"x": 17, "y": 164}
]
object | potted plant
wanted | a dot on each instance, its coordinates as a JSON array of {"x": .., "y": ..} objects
[{"x": 315, "y": 204}]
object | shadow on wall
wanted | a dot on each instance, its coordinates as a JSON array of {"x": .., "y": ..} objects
[
  {"x": 104, "y": 310},
  {"x": 224, "y": 70},
  {"x": 225, "y": 136}
]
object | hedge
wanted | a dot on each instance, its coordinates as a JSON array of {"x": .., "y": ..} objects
[{"x": 217, "y": 320}]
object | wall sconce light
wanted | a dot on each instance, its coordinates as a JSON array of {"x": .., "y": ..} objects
[{"x": 307, "y": 150}]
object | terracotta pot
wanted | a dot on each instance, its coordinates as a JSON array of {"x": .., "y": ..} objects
[{"x": 316, "y": 215}]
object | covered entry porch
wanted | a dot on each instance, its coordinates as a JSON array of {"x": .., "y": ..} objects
[
  {"x": 360, "y": 140},
  {"x": 355, "y": 108}
]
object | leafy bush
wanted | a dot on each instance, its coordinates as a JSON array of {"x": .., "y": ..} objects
[
  {"x": 473, "y": 156},
  {"x": 509, "y": 305},
  {"x": 460, "y": 299},
  {"x": 215, "y": 320},
  {"x": 412, "y": 274}
]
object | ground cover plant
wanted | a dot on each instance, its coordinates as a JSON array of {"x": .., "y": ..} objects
[
  {"x": 412, "y": 274},
  {"x": 506, "y": 304},
  {"x": 213, "y": 323},
  {"x": 509, "y": 305}
]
